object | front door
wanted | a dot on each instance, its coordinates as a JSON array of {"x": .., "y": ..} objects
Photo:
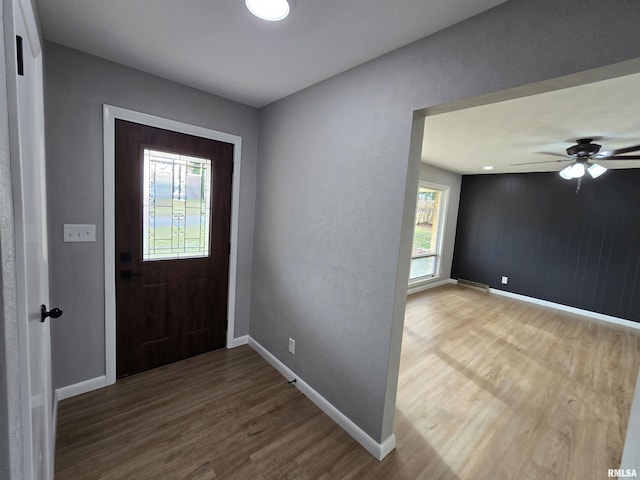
[{"x": 173, "y": 206}]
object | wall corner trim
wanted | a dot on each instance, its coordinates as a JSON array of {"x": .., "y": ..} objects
[
  {"x": 81, "y": 387},
  {"x": 566, "y": 308},
  {"x": 238, "y": 341},
  {"x": 378, "y": 450}
]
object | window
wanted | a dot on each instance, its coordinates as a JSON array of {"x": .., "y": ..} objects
[
  {"x": 176, "y": 206},
  {"x": 427, "y": 235}
]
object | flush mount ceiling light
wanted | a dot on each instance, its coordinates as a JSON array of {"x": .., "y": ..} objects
[{"x": 270, "y": 10}]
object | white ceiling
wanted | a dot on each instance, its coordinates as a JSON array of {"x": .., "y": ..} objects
[
  {"x": 219, "y": 47},
  {"x": 515, "y": 131}
]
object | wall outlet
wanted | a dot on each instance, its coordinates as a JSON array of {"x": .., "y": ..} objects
[
  {"x": 79, "y": 233},
  {"x": 505, "y": 280},
  {"x": 292, "y": 346}
]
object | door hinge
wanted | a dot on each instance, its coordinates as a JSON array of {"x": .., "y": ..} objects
[{"x": 20, "y": 56}]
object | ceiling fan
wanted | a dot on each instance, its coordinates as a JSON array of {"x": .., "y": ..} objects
[{"x": 582, "y": 156}]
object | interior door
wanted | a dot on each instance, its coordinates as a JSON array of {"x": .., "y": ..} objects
[
  {"x": 173, "y": 208},
  {"x": 28, "y": 181}
]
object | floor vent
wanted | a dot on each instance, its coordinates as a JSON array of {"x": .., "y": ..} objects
[{"x": 477, "y": 285}]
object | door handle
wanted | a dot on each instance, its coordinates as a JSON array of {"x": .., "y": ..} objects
[
  {"x": 53, "y": 313},
  {"x": 127, "y": 274}
]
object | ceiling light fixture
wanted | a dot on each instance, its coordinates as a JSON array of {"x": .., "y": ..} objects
[
  {"x": 575, "y": 170},
  {"x": 578, "y": 169},
  {"x": 596, "y": 170},
  {"x": 565, "y": 173},
  {"x": 487, "y": 167},
  {"x": 270, "y": 10}
]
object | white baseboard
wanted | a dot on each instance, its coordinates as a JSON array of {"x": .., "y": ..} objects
[
  {"x": 420, "y": 287},
  {"x": 54, "y": 419},
  {"x": 238, "y": 341},
  {"x": 631, "y": 452},
  {"x": 378, "y": 450},
  {"x": 80, "y": 388},
  {"x": 566, "y": 308}
]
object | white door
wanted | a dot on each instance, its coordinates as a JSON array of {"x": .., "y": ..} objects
[{"x": 28, "y": 181}]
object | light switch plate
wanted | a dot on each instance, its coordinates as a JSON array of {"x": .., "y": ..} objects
[{"x": 79, "y": 233}]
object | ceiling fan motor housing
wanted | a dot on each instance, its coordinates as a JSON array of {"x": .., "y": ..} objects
[{"x": 584, "y": 149}]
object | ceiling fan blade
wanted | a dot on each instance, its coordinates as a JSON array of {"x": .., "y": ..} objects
[
  {"x": 547, "y": 161},
  {"x": 618, "y": 157},
  {"x": 626, "y": 150},
  {"x": 553, "y": 154}
]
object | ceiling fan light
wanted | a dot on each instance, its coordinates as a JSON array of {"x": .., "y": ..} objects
[
  {"x": 565, "y": 172},
  {"x": 596, "y": 170},
  {"x": 270, "y": 10},
  {"x": 577, "y": 170}
]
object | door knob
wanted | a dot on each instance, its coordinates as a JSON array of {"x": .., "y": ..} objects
[{"x": 53, "y": 313}]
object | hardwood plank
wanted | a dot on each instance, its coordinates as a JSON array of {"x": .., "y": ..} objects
[{"x": 489, "y": 387}]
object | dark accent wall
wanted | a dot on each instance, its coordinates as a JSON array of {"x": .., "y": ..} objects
[{"x": 581, "y": 250}]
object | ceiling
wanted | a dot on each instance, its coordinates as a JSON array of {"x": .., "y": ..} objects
[
  {"x": 219, "y": 47},
  {"x": 515, "y": 131}
]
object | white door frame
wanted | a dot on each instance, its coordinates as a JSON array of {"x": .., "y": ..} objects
[
  {"x": 25, "y": 230},
  {"x": 110, "y": 114}
]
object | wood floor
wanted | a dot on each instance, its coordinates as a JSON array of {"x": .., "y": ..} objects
[{"x": 489, "y": 388}]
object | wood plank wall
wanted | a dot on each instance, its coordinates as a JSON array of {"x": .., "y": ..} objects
[{"x": 578, "y": 249}]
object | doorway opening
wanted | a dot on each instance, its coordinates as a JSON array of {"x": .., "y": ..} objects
[{"x": 446, "y": 348}]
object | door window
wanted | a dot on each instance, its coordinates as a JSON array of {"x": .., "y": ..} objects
[{"x": 176, "y": 206}]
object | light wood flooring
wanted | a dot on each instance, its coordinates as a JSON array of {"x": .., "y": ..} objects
[{"x": 489, "y": 388}]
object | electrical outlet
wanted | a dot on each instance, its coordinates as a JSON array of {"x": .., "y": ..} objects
[
  {"x": 292, "y": 346},
  {"x": 505, "y": 280}
]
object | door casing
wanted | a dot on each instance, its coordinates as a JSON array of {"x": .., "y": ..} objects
[
  {"x": 110, "y": 114},
  {"x": 30, "y": 233}
]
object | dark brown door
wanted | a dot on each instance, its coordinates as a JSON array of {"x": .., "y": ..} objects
[{"x": 173, "y": 203}]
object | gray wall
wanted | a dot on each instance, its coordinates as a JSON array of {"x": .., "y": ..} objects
[
  {"x": 76, "y": 86},
  {"x": 334, "y": 186},
  {"x": 429, "y": 173}
]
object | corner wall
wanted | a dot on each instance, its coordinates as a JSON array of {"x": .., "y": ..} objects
[
  {"x": 335, "y": 182},
  {"x": 76, "y": 87}
]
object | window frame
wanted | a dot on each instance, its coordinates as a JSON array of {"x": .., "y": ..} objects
[{"x": 441, "y": 216}]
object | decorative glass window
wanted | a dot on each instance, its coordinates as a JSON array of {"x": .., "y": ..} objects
[{"x": 176, "y": 206}]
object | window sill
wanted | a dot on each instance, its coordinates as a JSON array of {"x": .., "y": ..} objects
[{"x": 419, "y": 285}]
